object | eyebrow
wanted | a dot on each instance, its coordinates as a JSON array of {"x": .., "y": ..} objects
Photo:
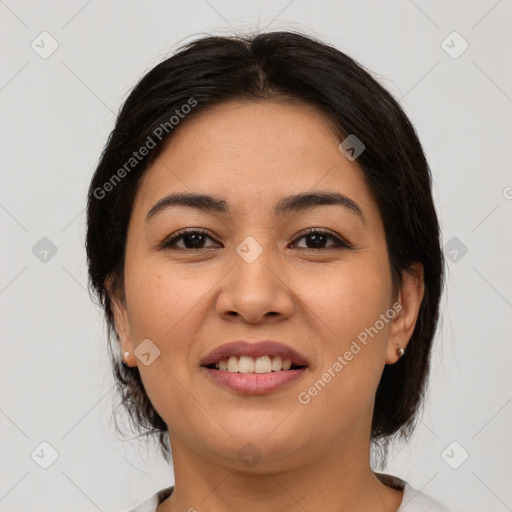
[{"x": 287, "y": 205}]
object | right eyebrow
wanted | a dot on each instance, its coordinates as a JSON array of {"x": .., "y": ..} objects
[{"x": 287, "y": 205}]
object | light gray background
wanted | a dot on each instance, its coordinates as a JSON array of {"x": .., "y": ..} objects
[{"x": 56, "y": 115}]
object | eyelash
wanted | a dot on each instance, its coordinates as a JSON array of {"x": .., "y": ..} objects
[{"x": 339, "y": 242}]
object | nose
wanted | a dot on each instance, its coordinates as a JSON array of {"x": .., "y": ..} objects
[{"x": 255, "y": 291}]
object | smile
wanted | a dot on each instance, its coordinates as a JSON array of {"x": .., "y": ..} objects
[{"x": 247, "y": 364}]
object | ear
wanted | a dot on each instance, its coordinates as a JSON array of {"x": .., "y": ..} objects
[
  {"x": 121, "y": 322},
  {"x": 410, "y": 295}
]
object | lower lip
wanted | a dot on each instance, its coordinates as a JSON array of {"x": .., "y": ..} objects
[{"x": 255, "y": 383}]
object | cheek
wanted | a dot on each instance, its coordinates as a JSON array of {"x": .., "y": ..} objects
[
  {"x": 156, "y": 298},
  {"x": 167, "y": 305},
  {"x": 349, "y": 300},
  {"x": 167, "y": 308},
  {"x": 354, "y": 339}
]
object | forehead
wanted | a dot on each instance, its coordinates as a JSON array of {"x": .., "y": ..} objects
[
  {"x": 248, "y": 150},
  {"x": 266, "y": 130}
]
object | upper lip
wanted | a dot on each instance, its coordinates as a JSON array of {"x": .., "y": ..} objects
[{"x": 253, "y": 349}]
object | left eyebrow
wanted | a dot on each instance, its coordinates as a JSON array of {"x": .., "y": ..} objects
[{"x": 285, "y": 206}]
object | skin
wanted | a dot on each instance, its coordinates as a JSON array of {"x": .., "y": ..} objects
[{"x": 313, "y": 457}]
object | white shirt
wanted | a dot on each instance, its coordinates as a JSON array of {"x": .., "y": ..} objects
[{"x": 412, "y": 501}]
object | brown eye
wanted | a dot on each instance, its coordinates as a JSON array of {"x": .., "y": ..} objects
[
  {"x": 317, "y": 240},
  {"x": 192, "y": 240}
]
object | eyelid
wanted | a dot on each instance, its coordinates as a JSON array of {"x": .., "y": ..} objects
[
  {"x": 183, "y": 232},
  {"x": 339, "y": 241}
]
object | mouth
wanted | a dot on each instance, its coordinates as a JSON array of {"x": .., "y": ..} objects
[
  {"x": 262, "y": 357},
  {"x": 254, "y": 368},
  {"x": 246, "y": 364}
]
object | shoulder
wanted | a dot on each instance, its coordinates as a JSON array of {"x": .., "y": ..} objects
[
  {"x": 151, "y": 504},
  {"x": 412, "y": 500},
  {"x": 416, "y": 501}
]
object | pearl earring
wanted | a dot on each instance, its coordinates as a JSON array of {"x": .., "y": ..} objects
[{"x": 400, "y": 352}]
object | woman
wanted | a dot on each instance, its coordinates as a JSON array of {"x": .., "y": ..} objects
[{"x": 263, "y": 240}]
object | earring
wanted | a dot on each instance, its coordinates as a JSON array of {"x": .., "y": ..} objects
[
  {"x": 400, "y": 352},
  {"x": 125, "y": 364}
]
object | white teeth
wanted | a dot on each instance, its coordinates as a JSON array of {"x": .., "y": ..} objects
[
  {"x": 246, "y": 364},
  {"x": 263, "y": 365},
  {"x": 277, "y": 363},
  {"x": 232, "y": 364}
]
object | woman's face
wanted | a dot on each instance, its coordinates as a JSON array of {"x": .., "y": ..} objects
[{"x": 255, "y": 276}]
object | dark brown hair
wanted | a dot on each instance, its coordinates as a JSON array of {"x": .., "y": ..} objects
[{"x": 278, "y": 66}]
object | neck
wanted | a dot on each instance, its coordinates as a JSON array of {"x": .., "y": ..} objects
[{"x": 340, "y": 478}]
